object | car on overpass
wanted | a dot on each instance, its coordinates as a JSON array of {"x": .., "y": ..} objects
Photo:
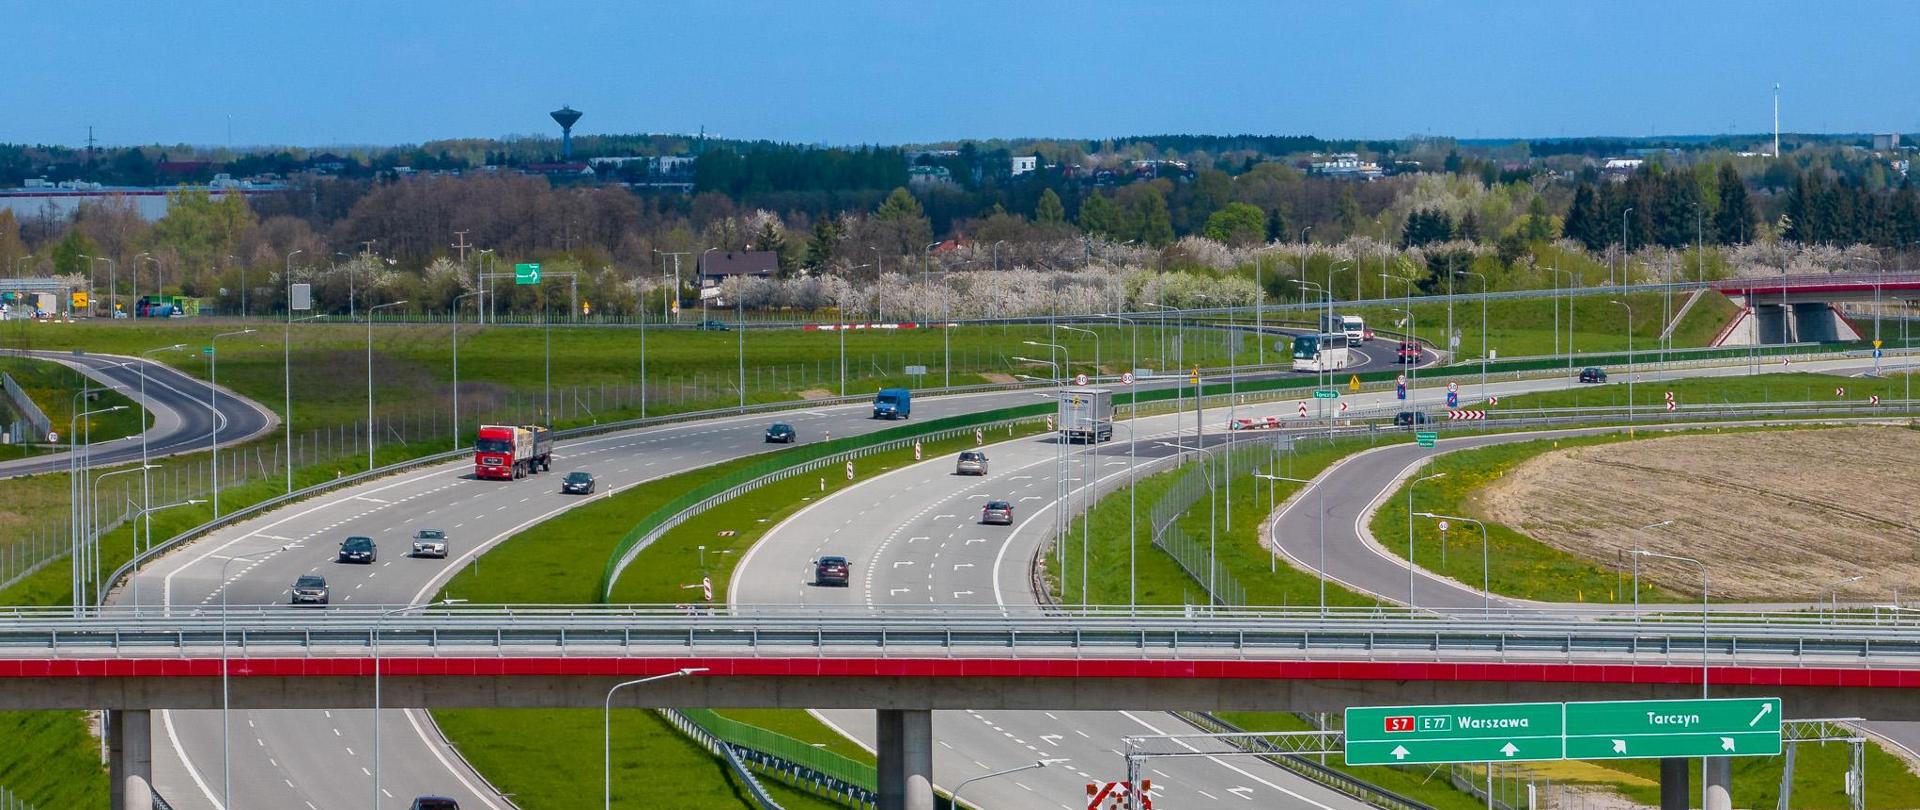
[
  {"x": 1593, "y": 374},
  {"x": 1410, "y": 418}
]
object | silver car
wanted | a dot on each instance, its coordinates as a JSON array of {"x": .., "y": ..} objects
[
  {"x": 972, "y": 462},
  {"x": 430, "y": 543}
]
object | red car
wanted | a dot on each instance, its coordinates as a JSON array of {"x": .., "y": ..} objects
[
  {"x": 831, "y": 571},
  {"x": 1408, "y": 352}
]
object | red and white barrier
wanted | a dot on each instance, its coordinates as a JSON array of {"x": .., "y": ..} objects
[
  {"x": 1262, "y": 423},
  {"x": 1466, "y": 415},
  {"x": 854, "y": 327}
]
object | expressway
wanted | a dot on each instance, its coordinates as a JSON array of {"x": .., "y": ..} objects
[
  {"x": 181, "y": 407},
  {"x": 324, "y": 759},
  {"x": 915, "y": 540}
]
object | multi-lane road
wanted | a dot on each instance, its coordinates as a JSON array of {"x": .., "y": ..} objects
[
  {"x": 184, "y": 412},
  {"x": 320, "y": 759}
]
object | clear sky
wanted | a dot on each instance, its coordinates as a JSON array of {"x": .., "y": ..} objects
[{"x": 405, "y": 71}]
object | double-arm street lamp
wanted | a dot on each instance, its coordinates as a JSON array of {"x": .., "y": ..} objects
[
  {"x": 1411, "y": 568},
  {"x": 370, "y": 436},
  {"x": 213, "y": 394},
  {"x": 1637, "y": 554}
]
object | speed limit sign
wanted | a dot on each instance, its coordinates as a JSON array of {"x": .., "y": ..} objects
[
  {"x": 1453, "y": 388},
  {"x": 1126, "y": 378},
  {"x": 849, "y": 471},
  {"x": 1401, "y": 381},
  {"x": 1080, "y": 379},
  {"x": 1443, "y": 527}
]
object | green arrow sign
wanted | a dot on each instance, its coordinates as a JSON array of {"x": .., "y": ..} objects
[
  {"x": 1628, "y": 729},
  {"x": 1501, "y": 732},
  {"x": 206, "y": 350},
  {"x": 1427, "y": 438},
  {"x": 1325, "y": 393},
  {"x": 526, "y": 274}
]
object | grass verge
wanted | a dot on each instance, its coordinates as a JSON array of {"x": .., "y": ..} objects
[{"x": 1706, "y": 391}]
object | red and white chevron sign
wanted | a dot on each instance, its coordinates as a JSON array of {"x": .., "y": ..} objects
[
  {"x": 1873, "y": 399},
  {"x": 1343, "y": 407},
  {"x": 1669, "y": 396},
  {"x": 1672, "y": 406},
  {"x": 1467, "y": 415},
  {"x": 1303, "y": 410},
  {"x": 1840, "y": 392}
]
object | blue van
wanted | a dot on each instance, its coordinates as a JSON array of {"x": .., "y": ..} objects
[{"x": 893, "y": 403}]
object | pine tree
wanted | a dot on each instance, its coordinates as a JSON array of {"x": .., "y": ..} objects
[
  {"x": 1049, "y": 210},
  {"x": 1733, "y": 223},
  {"x": 1584, "y": 220},
  {"x": 1278, "y": 229},
  {"x": 1539, "y": 224},
  {"x": 1100, "y": 217}
]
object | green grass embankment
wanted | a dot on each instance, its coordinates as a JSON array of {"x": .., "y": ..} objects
[
  {"x": 1527, "y": 327},
  {"x": 539, "y": 756},
  {"x": 55, "y": 387},
  {"x": 1699, "y": 392}
]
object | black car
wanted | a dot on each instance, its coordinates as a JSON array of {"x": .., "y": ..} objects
[
  {"x": 831, "y": 571},
  {"x": 434, "y": 803},
  {"x": 1409, "y": 418},
  {"x": 309, "y": 589},
  {"x": 1593, "y": 374},
  {"x": 358, "y": 550},
  {"x": 1000, "y": 512},
  {"x": 714, "y": 326},
  {"x": 578, "y": 483},
  {"x": 781, "y": 432}
]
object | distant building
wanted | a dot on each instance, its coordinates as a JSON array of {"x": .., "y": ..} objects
[
  {"x": 1618, "y": 169},
  {"x": 1887, "y": 142},
  {"x": 715, "y": 266},
  {"x": 1023, "y": 165},
  {"x": 1347, "y": 165},
  {"x": 558, "y": 169},
  {"x": 928, "y": 176}
]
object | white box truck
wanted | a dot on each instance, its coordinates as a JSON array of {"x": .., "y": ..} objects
[{"x": 1086, "y": 415}]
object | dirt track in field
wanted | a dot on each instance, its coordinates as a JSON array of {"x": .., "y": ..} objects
[{"x": 1775, "y": 515}]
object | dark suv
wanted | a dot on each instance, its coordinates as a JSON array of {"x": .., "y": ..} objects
[
  {"x": 434, "y": 803},
  {"x": 358, "y": 550},
  {"x": 309, "y": 589},
  {"x": 1000, "y": 512},
  {"x": 831, "y": 571},
  {"x": 1593, "y": 374},
  {"x": 1409, "y": 418}
]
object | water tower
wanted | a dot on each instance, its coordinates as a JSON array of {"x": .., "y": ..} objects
[{"x": 565, "y": 116}]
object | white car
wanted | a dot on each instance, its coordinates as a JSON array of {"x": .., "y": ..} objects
[{"x": 430, "y": 543}]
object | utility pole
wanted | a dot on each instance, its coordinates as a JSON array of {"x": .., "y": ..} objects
[
  {"x": 462, "y": 246},
  {"x": 1776, "y": 121}
]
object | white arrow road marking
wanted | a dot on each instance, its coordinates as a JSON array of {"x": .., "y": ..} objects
[
  {"x": 940, "y": 517},
  {"x": 1619, "y": 746},
  {"x": 1765, "y": 709},
  {"x": 958, "y": 566},
  {"x": 1030, "y": 498},
  {"x": 1509, "y": 750},
  {"x": 1021, "y": 478},
  {"x": 958, "y": 594},
  {"x": 1726, "y": 743},
  {"x": 892, "y": 591},
  {"x": 1050, "y": 739},
  {"x": 976, "y": 540},
  {"x": 898, "y": 563},
  {"x": 917, "y": 539},
  {"x": 1242, "y": 792},
  {"x": 1399, "y": 752}
]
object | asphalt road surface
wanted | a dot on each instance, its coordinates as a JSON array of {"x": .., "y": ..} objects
[
  {"x": 182, "y": 408},
  {"x": 318, "y": 760}
]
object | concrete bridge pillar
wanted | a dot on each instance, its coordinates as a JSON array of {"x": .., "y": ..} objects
[
  {"x": 130, "y": 758},
  {"x": 1673, "y": 785},
  {"x": 1716, "y": 779},
  {"x": 905, "y": 754}
]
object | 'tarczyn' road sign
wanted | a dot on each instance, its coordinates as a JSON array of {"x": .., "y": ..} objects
[
  {"x": 1325, "y": 393},
  {"x": 526, "y": 273},
  {"x": 1673, "y": 728},
  {"x": 1624, "y": 729},
  {"x": 1501, "y": 732}
]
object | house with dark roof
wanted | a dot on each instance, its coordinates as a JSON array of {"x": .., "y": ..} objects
[{"x": 717, "y": 265}]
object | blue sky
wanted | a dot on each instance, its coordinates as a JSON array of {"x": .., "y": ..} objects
[{"x": 357, "y": 71}]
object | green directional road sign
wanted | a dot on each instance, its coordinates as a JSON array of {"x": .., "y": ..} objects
[
  {"x": 1631, "y": 729},
  {"x": 526, "y": 274},
  {"x": 1501, "y": 732},
  {"x": 1325, "y": 393},
  {"x": 1427, "y": 438}
]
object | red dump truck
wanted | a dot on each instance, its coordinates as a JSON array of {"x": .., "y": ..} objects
[{"x": 507, "y": 452}]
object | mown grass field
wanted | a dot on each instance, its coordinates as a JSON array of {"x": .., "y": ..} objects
[
  {"x": 1526, "y": 328},
  {"x": 1707, "y": 391}
]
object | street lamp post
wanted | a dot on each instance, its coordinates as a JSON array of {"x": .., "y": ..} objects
[
  {"x": 1206, "y": 466},
  {"x": 1063, "y": 458},
  {"x": 1273, "y": 534},
  {"x": 1556, "y": 317},
  {"x": 1027, "y": 767},
  {"x": 1133, "y": 412},
  {"x": 146, "y": 483},
  {"x": 1413, "y": 337},
  {"x": 77, "y": 467},
  {"x": 94, "y": 531},
  {"x": 1483, "y": 329},
  {"x": 213, "y": 395},
  {"x": 139, "y": 548},
  {"x": 1486, "y": 575},
  {"x": 370, "y": 435},
  {"x": 1086, "y": 463},
  {"x": 377, "y": 619},
  {"x": 456, "y": 362},
  {"x": 1622, "y": 277},
  {"x": 1411, "y": 568},
  {"x": 606, "y": 729},
  {"x": 1638, "y": 553},
  {"x": 1636, "y": 565},
  {"x": 286, "y": 364},
  {"x": 1630, "y": 363},
  {"x": 226, "y": 725},
  {"x": 1833, "y": 591}
]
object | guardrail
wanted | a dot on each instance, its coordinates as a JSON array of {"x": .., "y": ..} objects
[
  {"x": 797, "y": 763},
  {"x": 720, "y": 748},
  {"x": 1879, "y": 638},
  {"x": 1303, "y": 766}
]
